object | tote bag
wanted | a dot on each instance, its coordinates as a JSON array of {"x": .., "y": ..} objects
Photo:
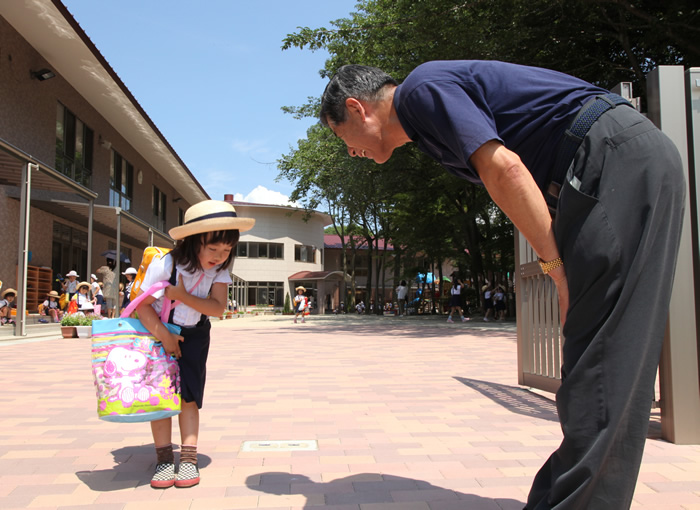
[{"x": 135, "y": 379}]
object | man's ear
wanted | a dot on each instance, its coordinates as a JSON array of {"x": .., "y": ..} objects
[{"x": 355, "y": 106}]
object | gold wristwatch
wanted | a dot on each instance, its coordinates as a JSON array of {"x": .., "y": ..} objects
[{"x": 551, "y": 265}]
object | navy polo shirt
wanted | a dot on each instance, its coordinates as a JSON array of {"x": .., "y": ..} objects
[{"x": 451, "y": 108}]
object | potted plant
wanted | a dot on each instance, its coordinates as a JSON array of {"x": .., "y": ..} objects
[
  {"x": 84, "y": 328},
  {"x": 69, "y": 322}
]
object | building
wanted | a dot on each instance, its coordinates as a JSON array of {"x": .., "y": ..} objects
[
  {"x": 285, "y": 249},
  {"x": 83, "y": 169},
  {"x": 384, "y": 284}
]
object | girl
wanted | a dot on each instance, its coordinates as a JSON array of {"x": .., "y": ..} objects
[
  {"x": 82, "y": 298},
  {"x": 51, "y": 307},
  {"x": 299, "y": 303},
  {"x": 130, "y": 274},
  {"x": 70, "y": 286},
  {"x": 96, "y": 291},
  {"x": 197, "y": 268},
  {"x": 456, "y": 299},
  {"x": 6, "y": 305}
]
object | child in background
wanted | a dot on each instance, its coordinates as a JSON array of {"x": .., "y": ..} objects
[
  {"x": 456, "y": 300},
  {"x": 8, "y": 297},
  {"x": 82, "y": 297},
  {"x": 70, "y": 286},
  {"x": 300, "y": 303},
  {"x": 197, "y": 268},
  {"x": 51, "y": 307},
  {"x": 96, "y": 292},
  {"x": 130, "y": 274}
]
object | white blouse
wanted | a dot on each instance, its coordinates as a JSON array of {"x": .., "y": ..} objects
[{"x": 159, "y": 270}]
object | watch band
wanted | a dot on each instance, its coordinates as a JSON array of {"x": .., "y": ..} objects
[{"x": 551, "y": 265}]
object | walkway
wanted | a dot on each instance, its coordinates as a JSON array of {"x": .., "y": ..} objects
[{"x": 408, "y": 414}]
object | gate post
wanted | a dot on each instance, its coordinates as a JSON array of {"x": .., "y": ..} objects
[{"x": 679, "y": 380}]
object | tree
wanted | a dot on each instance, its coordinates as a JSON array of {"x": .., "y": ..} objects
[{"x": 411, "y": 202}]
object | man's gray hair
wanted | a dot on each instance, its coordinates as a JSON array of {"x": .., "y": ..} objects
[{"x": 360, "y": 82}]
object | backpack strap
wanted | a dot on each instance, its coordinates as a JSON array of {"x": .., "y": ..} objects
[{"x": 168, "y": 310}]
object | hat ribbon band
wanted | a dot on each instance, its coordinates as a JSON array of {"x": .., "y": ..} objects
[{"x": 227, "y": 214}]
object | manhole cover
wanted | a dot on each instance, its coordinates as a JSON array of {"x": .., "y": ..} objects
[{"x": 279, "y": 446}]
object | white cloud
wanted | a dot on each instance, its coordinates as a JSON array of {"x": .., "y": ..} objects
[{"x": 262, "y": 195}]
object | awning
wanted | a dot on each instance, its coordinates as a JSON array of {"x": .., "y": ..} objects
[
  {"x": 317, "y": 275},
  {"x": 133, "y": 231}
]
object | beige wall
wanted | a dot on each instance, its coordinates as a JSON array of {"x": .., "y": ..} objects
[{"x": 272, "y": 224}]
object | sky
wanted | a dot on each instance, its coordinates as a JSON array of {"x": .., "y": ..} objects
[{"x": 213, "y": 78}]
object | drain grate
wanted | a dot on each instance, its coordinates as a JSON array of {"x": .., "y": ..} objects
[{"x": 279, "y": 446}]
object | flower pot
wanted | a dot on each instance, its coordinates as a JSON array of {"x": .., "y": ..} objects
[
  {"x": 84, "y": 331},
  {"x": 69, "y": 332}
]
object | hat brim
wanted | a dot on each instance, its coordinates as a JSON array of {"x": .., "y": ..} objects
[
  {"x": 211, "y": 225},
  {"x": 9, "y": 291}
]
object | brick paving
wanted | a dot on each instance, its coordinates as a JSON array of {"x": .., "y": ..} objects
[{"x": 409, "y": 414}]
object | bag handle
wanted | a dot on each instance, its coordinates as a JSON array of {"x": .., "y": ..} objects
[{"x": 136, "y": 302}]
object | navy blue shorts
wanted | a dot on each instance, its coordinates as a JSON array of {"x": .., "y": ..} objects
[{"x": 193, "y": 362}]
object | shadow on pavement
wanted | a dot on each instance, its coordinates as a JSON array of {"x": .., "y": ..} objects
[
  {"x": 429, "y": 327},
  {"x": 134, "y": 467},
  {"x": 368, "y": 488},
  {"x": 515, "y": 399}
]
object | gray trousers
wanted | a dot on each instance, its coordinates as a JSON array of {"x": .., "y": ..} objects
[{"x": 618, "y": 235}]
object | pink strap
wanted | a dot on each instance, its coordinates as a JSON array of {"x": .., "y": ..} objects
[{"x": 136, "y": 302}]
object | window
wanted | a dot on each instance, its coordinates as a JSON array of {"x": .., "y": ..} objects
[
  {"x": 304, "y": 253},
  {"x": 158, "y": 205},
  {"x": 266, "y": 294},
  {"x": 260, "y": 250},
  {"x": 121, "y": 182},
  {"x": 69, "y": 249},
  {"x": 74, "y": 147}
]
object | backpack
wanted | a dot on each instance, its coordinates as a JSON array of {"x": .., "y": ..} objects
[{"x": 150, "y": 254}]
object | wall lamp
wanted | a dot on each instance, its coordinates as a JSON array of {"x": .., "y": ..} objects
[{"x": 42, "y": 74}]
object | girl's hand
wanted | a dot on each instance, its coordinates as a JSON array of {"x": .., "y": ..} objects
[
  {"x": 176, "y": 293},
  {"x": 171, "y": 343}
]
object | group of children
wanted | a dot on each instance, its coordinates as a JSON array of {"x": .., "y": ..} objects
[{"x": 82, "y": 296}]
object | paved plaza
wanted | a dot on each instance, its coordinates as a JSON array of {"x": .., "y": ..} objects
[{"x": 407, "y": 414}]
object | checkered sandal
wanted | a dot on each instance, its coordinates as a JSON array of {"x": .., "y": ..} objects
[
  {"x": 164, "y": 476},
  {"x": 187, "y": 475}
]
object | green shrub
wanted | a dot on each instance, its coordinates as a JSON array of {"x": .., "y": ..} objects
[
  {"x": 72, "y": 319},
  {"x": 287, "y": 305}
]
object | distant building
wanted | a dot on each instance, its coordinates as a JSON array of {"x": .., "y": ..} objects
[
  {"x": 283, "y": 250},
  {"x": 97, "y": 172}
]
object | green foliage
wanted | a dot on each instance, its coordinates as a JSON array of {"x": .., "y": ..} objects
[
  {"x": 72, "y": 319},
  {"x": 79, "y": 319},
  {"x": 410, "y": 201},
  {"x": 287, "y": 310}
]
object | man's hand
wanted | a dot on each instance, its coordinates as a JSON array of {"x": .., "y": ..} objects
[{"x": 558, "y": 275}]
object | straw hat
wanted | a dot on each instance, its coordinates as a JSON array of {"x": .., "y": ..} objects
[
  {"x": 130, "y": 270},
  {"x": 73, "y": 273},
  {"x": 210, "y": 216},
  {"x": 53, "y": 293},
  {"x": 300, "y": 288},
  {"x": 9, "y": 291},
  {"x": 82, "y": 284}
]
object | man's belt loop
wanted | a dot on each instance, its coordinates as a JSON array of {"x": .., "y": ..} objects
[{"x": 573, "y": 136}]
